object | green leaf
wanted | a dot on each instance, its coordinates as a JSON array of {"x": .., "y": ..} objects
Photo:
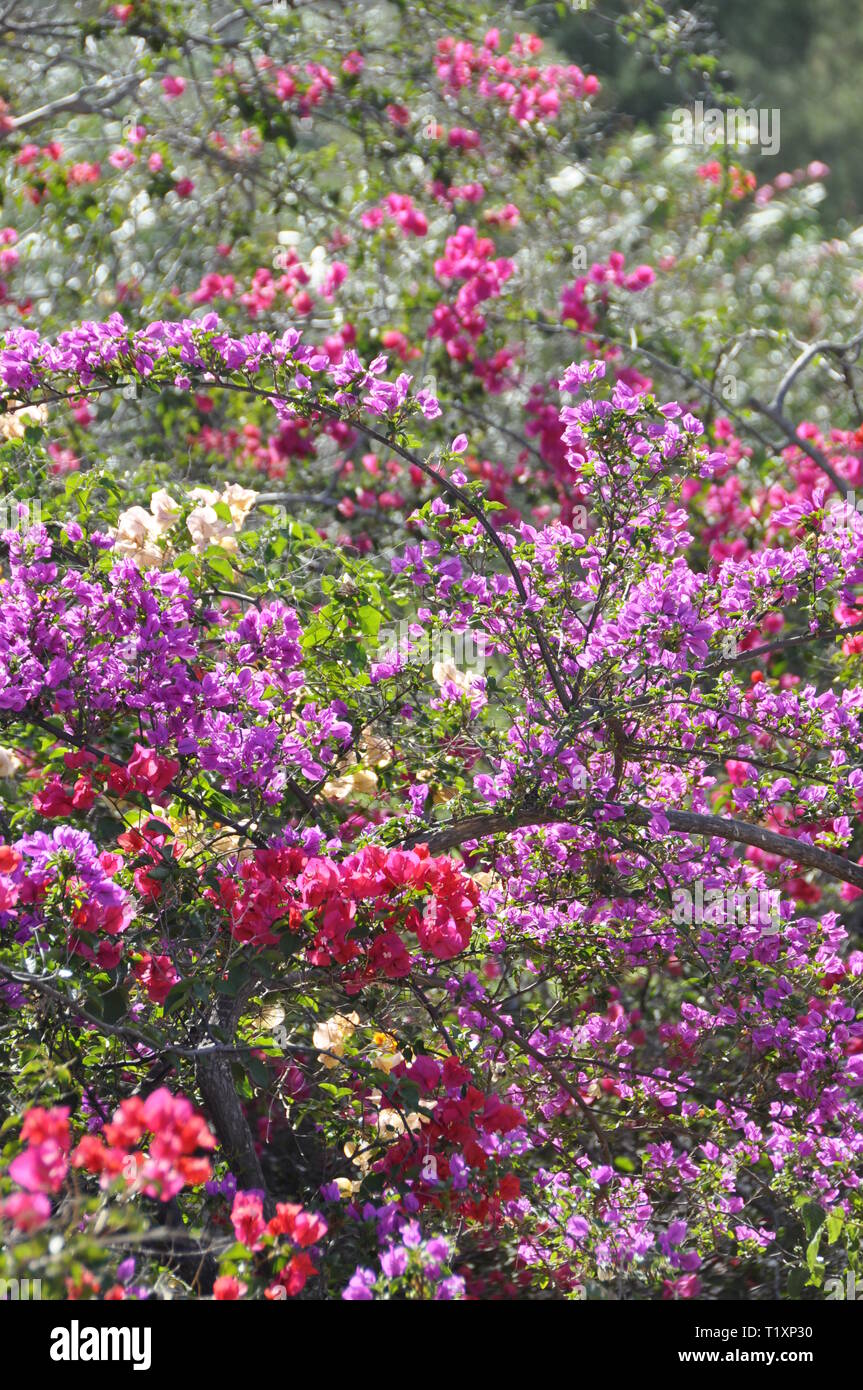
[
  {"x": 177, "y": 996},
  {"x": 218, "y": 563},
  {"x": 812, "y": 1216},
  {"x": 115, "y": 1005},
  {"x": 835, "y": 1222},
  {"x": 813, "y": 1264},
  {"x": 258, "y": 1072},
  {"x": 370, "y": 620}
]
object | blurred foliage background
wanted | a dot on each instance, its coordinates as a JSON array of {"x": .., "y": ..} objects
[{"x": 802, "y": 56}]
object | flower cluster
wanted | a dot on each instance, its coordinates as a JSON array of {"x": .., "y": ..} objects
[
  {"x": 413, "y": 1265},
  {"x": 170, "y": 1163},
  {"x": 175, "y": 352},
  {"x": 64, "y": 884},
  {"x": 291, "y": 1225},
  {"x": 529, "y": 92},
  {"x": 171, "y": 1160},
  {"x": 146, "y": 536},
  {"x": 41, "y": 1169},
  {"x": 470, "y": 258},
  {"x": 400, "y": 208},
  {"x": 237, "y": 716},
  {"x": 391, "y": 892},
  {"x": 579, "y": 301}
]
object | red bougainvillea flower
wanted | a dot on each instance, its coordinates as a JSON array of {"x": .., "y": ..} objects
[
  {"x": 55, "y": 800},
  {"x": 291, "y": 1279},
  {"x": 227, "y": 1288},
  {"x": 302, "y": 1227},
  {"x": 149, "y": 772},
  {"x": 157, "y": 974},
  {"x": 406, "y": 889}
]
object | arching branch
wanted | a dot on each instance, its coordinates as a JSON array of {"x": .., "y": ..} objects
[{"x": 480, "y": 826}]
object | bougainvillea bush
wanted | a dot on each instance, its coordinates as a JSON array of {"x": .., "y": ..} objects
[{"x": 430, "y": 702}]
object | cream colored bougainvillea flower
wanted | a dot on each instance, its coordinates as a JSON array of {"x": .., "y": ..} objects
[
  {"x": 14, "y": 422},
  {"x": 137, "y": 538},
  {"x": 9, "y": 762},
  {"x": 354, "y": 780},
  {"x": 144, "y": 536},
  {"x": 447, "y": 672},
  {"x": 331, "y": 1036}
]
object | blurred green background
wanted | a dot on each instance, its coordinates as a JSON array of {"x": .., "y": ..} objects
[{"x": 803, "y": 56}]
